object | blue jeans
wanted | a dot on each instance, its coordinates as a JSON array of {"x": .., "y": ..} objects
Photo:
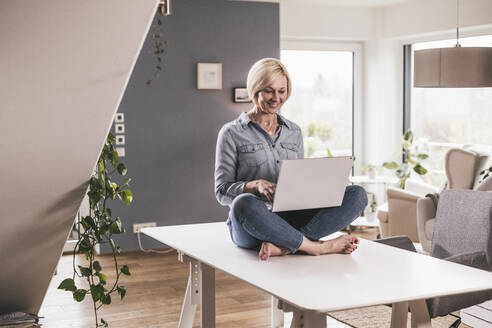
[{"x": 251, "y": 223}]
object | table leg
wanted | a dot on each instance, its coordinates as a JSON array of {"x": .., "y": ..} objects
[
  {"x": 399, "y": 315},
  {"x": 303, "y": 318},
  {"x": 199, "y": 290},
  {"x": 188, "y": 309},
  {"x": 277, "y": 315},
  {"x": 207, "y": 305},
  {"x": 308, "y": 319},
  {"x": 420, "y": 314}
]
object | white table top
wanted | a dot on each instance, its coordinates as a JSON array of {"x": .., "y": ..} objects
[
  {"x": 380, "y": 274},
  {"x": 364, "y": 179},
  {"x": 365, "y": 222}
]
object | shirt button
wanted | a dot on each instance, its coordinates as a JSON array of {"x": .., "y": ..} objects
[
  {"x": 273, "y": 145},
  {"x": 278, "y": 161}
]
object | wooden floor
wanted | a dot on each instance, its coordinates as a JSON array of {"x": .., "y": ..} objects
[{"x": 155, "y": 292}]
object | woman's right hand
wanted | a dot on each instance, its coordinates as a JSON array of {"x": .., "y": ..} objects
[{"x": 263, "y": 188}]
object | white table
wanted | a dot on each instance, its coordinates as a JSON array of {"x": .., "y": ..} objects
[
  {"x": 364, "y": 221},
  {"x": 310, "y": 286}
]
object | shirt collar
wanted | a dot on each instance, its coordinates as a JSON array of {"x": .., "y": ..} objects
[{"x": 244, "y": 120}]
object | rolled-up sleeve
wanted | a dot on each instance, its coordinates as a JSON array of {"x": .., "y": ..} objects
[{"x": 226, "y": 188}]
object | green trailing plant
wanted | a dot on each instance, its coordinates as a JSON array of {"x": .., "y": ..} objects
[
  {"x": 98, "y": 228},
  {"x": 410, "y": 161},
  {"x": 159, "y": 44}
]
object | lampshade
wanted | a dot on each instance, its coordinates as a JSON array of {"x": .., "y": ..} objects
[{"x": 458, "y": 67}]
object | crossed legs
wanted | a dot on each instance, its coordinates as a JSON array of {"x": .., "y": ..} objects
[{"x": 252, "y": 225}]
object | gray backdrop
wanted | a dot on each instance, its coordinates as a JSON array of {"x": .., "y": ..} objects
[{"x": 171, "y": 127}]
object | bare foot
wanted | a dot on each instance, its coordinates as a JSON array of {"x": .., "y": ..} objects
[
  {"x": 269, "y": 249},
  {"x": 344, "y": 244}
]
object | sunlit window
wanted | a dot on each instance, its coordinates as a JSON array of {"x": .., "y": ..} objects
[
  {"x": 321, "y": 101},
  {"x": 449, "y": 117}
]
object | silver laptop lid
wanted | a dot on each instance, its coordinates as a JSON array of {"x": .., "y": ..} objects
[{"x": 312, "y": 183}]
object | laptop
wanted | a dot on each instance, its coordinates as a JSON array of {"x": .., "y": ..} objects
[{"x": 311, "y": 183}]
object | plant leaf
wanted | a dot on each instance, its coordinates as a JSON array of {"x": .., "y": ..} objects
[
  {"x": 408, "y": 136},
  {"x": 122, "y": 291},
  {"x": 97, "y": 266},
  {"x": 420, "y": 169},
  {"x": 390, "y": 165},
  {"x": 101, "y": 165},
  {"x": 121, "y": 169},
  {"x": 125, "y": 270},
  {"x": 127, "y": 196},
  {"x": 79, "y": 295},
  {"x": 422, "y": 156},
  {"x": 102, "y": 278},
  {"x": 68, "y": 284},
  {"x": 116, "y": 227},
  {"x": 85, "y": 245},
  {"x": 97, "y": 292},
  {"x": 86, "y": 272},
  {"x": 115, "y": 157},
  {"x": 88, "y": 222},
  {"x": 106, "y": 299}
]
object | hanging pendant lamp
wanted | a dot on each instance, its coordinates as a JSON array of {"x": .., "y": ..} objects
[{"x": 458, "y": 67}]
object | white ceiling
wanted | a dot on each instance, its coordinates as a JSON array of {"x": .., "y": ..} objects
[
  {"x": 345, "y": 3},
  {"x": 359, "y": 3}
]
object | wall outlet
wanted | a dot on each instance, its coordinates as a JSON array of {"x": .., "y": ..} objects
[{"x": 138, "y": 226}]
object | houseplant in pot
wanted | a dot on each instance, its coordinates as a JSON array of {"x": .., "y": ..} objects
[
  {"x": 411, "y": 160},
  {"x": 97, "y": 229},
  {"x": 370, "y": 170}
]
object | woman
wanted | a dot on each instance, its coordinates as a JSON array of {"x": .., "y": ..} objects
[{"x": 248, "y": 157}]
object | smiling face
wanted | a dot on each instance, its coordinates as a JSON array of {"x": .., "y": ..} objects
[{"x": 273, "y": 96}]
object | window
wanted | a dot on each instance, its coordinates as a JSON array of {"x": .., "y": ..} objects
[
  {"x": 442, "y": 118},
  {"x": 322, "y": 99}
]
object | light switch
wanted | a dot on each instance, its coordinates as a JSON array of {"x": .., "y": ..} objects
[
  {"x": 119, "y": 128},
  {"x": 119, "y": 118},
  {"x": 120, "y": 151},
  {"x": 120, "y": 140}
]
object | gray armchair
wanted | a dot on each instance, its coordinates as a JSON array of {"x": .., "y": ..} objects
[
  {"x": 399, "y": 215},
  {"x": 426, "y": 214},
  {"x": 462, "y": 234}
]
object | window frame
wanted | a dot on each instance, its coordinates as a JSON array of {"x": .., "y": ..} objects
[
  {"x": 357, "y": 84},
  {"x": 408, "y": 64}
]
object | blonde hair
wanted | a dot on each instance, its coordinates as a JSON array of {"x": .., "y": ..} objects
[{"x": 262, "y": 73}]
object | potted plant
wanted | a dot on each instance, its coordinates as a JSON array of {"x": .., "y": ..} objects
[
  {"x": 411, "y": 162},
  {"x": 370, "y": 170},
  {"x": 98, "y": 228},
  {"x": 371, "y": 207}
]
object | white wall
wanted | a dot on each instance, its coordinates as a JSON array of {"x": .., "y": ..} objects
[
  {"x": 433, "y": 17},
  {"x": 382, "y": 32},
  {"x": 64, "y": 67},
  {"x": 383, "y": 89},
  {"x": 301, "y": 19}
]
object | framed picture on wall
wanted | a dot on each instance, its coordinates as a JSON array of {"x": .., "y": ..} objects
[
  {"x": 209, "y": 76},
  {"x": 241, "y": 95}
]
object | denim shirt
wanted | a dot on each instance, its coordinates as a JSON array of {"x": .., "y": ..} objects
[{"x": 245, "y": 152}]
